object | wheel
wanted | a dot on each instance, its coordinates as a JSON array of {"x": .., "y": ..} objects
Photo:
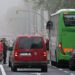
[
  {"x": 71, "y": 67},
  {"x": 13, "y": 68},
  {"x": 53, "y": 63},
  {"x": 44, "y": 68},
  {"x": 9, "y": 64}
]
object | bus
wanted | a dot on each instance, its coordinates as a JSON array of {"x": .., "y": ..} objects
[{"x": 62, "y": 37}]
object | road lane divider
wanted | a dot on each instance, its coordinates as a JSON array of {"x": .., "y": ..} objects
[
  {"x": 2, "y": 70},
  {"x": 38, "y": 73},
  {"x": 60, "y": 69},
  {"x": 72, "y": 74},
  {"x": 66, "y": 71}
]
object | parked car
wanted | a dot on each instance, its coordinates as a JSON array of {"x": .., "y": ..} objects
[{"x": 29, "y": 52}]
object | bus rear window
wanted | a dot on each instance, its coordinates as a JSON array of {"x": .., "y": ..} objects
[{"x": 69, "y": 19}]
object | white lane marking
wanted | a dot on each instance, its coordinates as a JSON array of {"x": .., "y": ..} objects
[
  {"x": 54, "y": 67},
  {"x": 72, "y": 74},
  {"x": 2, "y": 70},
  {"x": 66, "y": 71},
  {"x": 60, "y": 69},
  {"x": 38, "y": 73}
]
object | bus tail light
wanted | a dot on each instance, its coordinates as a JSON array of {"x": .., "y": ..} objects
[
  {"x": 68, "y": 49},
  {"x": 60, "y": 47}
]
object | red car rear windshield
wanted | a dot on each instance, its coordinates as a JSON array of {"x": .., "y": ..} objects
[{"x": 30, "y": 43}]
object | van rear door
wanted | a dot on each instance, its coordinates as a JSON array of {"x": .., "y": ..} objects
[{"x": 31, "y": 49}]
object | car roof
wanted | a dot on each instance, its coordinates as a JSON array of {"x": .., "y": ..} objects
[{"x": 28, "y": 36}]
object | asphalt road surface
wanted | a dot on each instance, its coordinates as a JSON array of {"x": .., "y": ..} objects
[
  {"x": 5, "y": 70},
  {"x": 52, "y": 70}
]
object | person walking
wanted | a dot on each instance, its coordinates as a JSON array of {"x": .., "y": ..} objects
[{"x": 4, "y": 51}]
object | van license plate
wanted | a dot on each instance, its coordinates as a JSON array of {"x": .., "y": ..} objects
[{"x": 25, "y": 54}]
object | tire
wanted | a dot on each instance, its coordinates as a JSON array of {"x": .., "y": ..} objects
[
  {"x": 44, "y": 68},
  {"x": 71, "y": 67},
  {"x": 53, "y": 63},
  {"x": 13, "y": 68},
  {"x": 9, "y": 64}
]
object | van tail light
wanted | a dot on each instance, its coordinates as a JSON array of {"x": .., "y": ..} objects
[
  {"x": 15, "y": 54},
  {"x": 45, "y": 54},
  {"x": 60, "y": 47}
]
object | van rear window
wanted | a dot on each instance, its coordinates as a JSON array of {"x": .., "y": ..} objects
[{"x": 30, "y": 43}]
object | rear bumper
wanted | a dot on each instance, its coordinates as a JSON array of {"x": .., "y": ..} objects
[{"x": 30, "y": 64}]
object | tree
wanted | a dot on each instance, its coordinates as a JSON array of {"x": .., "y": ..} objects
[
  {"x": 68, "y": 4},
  {"x": 52, "y": 5},
  {"x": 48, "y": 5}
]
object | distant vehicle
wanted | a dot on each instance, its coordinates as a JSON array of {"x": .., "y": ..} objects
[
  {"x": 29, "y": 52},
  {"x": 62, "y": 37}
]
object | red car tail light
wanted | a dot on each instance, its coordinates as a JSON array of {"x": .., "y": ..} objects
[
  {"x": 45, "y": 54},
  {"x": 16, "y": 54},
  {"x": 60, "y": 47}
]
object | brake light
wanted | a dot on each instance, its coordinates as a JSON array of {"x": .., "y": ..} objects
[
  {"x": 15, "y": 54},
  {"x": 68, "y": 49},
  {"x": 60, "y": 47},
  {"x": 45, "y": 54}
]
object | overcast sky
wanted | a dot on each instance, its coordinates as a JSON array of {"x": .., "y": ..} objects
[
  {"x": 5, "y": 5},
  {"x": 5, "y": 29}
]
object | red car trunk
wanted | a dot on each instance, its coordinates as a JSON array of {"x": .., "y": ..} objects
[{"x": 31, "y": 55}]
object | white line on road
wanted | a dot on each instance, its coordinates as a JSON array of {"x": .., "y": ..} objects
[
  {"x": 38, "y": 73},
  {"x": 54, "y": 67},
  {"x": 66, "y": 71},
  {"x": 72, "y": 74},
  {"x": 60, "y": 69},
  {"x": 2, "y": 70}
]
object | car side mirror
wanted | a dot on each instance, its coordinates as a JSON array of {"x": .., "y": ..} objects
[{"x": 49, "y": 25}]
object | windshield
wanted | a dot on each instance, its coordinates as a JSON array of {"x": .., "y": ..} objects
[
  {"x": 69, "y": 19},
  {"x": 30, "y": 43}
]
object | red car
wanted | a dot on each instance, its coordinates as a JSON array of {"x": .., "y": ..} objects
[{"x": 29, "y": 52}]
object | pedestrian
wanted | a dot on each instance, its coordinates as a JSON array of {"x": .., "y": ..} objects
[
  {"x": 4, "y": 50},
  {"x": 1, "y": 51}
]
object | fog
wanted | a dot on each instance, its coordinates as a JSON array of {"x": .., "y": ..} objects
[
  {"x": 5, "y": 6},
  {"x": 18, "y": 18}
]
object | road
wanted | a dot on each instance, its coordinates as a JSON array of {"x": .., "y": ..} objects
[{"x": 51, "y": 71}]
